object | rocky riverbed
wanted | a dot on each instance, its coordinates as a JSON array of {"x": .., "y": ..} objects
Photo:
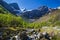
[{"x": 33, "y": 34}]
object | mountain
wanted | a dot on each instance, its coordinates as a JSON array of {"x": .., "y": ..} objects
[
  {"x": 33, "y": 14},
  {"x": 16, "y": 8},
  {"x": 13, "y": 7},
  {"x": 36, "y": 13},
  {"x": 51, "y": 19}
]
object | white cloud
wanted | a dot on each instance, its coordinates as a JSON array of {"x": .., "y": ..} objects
[{"x": 58, "y": 7}]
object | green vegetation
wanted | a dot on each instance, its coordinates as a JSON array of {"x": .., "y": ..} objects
[
  {"x": 9, "y": 20},
  {"x": 48, "y": 20},
  {"x": 10, "y": 24}
]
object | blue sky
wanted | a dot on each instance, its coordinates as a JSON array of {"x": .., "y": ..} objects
[{"x": 32, "y": 4}]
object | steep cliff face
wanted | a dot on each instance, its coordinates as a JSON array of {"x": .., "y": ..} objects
[
  {"x": 16, "y": 8},
  {"x": 13, "y": 8}
]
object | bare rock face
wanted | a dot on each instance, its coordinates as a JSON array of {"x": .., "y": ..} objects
[{"x": 36, "y": 13}]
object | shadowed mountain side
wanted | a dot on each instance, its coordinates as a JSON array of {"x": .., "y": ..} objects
[{"x": 13, "y": 8}]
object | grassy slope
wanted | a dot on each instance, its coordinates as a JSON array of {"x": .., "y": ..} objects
[
  {"x": 6, "y": 18},
  {"x": 52, "y": 18}
]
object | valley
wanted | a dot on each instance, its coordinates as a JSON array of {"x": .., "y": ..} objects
[{"x": 13, "y": 21}]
